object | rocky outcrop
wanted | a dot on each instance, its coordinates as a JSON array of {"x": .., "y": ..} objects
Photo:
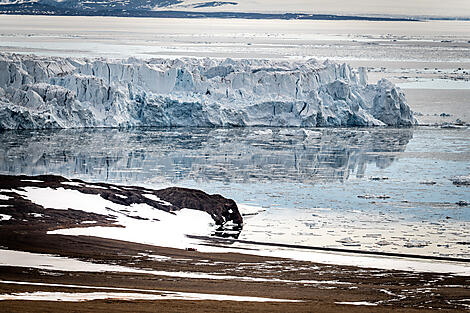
[
  {"x": 43, "y": 92},
  {"x": 222, "y": 210}
]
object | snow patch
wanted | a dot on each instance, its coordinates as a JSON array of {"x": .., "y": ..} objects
[
  {"x": 36, "y": 215},
  {"x": 5, "y": 217},
  {"x": 51, "y": 262},
  {"x": 126, "y": 296},
  {"x": 139, "y": 220},
  {"x": 4, "y": 197},
  {"x": 72, "y": 183},
  {"x": 142, "y": 294},
  {"x": 157, "y": 199},
  {"x": 32, "y": 180},
  {"x": 357, "y": 303}
]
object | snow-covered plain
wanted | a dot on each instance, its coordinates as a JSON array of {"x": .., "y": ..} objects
[{"x": 45, "y": 92}]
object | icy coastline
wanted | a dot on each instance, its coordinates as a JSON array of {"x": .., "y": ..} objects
[{"x": 45, "y": 92}]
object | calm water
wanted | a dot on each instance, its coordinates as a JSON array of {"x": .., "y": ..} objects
[{"x": 304, "y": 183}]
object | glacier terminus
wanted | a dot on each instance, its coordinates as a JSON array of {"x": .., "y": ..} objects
[{"x": 39, "y": 92}]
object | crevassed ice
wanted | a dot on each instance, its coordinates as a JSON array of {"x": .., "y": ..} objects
[{"x": 45, "y": 92}]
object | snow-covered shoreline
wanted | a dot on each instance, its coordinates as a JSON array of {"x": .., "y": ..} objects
[{"x": 46, "y": 92}]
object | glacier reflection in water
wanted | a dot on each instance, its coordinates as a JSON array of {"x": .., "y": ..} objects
[
  {"x": 378, "y": 189},
  {"x": 240, "y": 155}
]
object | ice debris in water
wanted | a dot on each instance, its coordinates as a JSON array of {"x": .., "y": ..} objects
[
  {"x": 416, "y": 244},
  {"x": 348, "y": 241},
  {"x": 54, "y": 92},
  {"x": 461, "y": 180}
]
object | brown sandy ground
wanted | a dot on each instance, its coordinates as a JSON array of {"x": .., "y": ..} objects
[
  {"x": 412, "y": 292},
  {"x": 396, "y": 291}
]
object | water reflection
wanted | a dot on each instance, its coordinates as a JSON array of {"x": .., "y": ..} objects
[{"x": 201, "y": 154}]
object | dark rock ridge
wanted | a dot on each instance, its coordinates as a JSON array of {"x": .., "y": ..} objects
[
  {"x": 222, "y": 210},
  {"x": 145, "y": 8}
]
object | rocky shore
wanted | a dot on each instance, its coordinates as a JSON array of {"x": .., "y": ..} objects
[{"x": 44, "y": 271}]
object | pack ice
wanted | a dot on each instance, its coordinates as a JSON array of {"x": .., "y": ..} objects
[{"x": 46, "y": 92}]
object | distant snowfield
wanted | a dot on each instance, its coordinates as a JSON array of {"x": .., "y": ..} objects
[
  {"x": 347, "y": 7},
  {"x": 450, "y": 8}
]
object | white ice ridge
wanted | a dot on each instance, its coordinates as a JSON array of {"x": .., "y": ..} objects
[{"x": 53, "y": 92}]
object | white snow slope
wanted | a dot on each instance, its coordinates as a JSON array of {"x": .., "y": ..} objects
[{"x": 45, "y": 92}]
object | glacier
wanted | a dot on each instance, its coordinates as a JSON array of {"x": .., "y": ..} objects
[{"x": 39, "y": 92}]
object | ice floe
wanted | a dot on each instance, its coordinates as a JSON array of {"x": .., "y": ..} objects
[{"x": 461, "y": 180}]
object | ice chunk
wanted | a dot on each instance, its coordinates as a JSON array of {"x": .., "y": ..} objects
[{"x": 461, "y": 180}]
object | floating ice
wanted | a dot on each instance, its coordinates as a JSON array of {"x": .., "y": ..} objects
[
  {"x": 42, "y": 92},
  {"x": 416, "y": 244},
  {"x": 461, "y": 180},
  {"x": 247, "y": 210}
]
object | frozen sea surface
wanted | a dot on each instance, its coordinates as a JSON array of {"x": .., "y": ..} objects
[{"x": 370, "y": 189}]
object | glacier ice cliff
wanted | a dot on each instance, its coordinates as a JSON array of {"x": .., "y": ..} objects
[{"x": 53, "y": 92}]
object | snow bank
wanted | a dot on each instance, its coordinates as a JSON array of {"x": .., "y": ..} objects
[{"x": 45, "y": 92}]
